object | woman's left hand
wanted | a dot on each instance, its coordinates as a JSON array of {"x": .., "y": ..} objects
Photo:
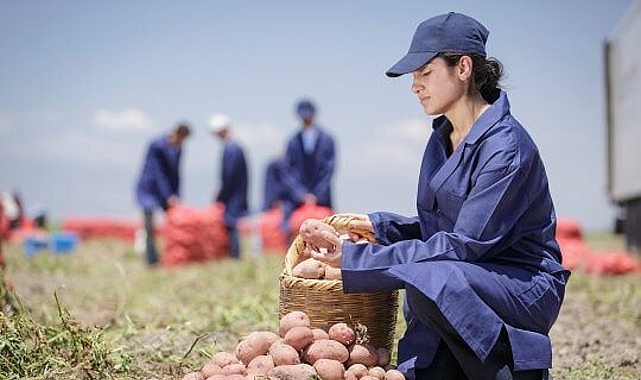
[{"x": 333, "y": 256}]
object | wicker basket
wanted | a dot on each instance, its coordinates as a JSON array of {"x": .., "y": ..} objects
[{"x": 326, "y": 304}]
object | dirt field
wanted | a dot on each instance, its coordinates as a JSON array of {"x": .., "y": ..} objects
[{"x": 153, "y": 317}]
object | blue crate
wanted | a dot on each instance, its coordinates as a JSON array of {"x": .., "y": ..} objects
[
  {"x": 63, "y": 241},
  {"x": 32, "y": 244}
]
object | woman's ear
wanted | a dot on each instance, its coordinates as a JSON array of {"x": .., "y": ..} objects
[{"x": 464, "y": 68}]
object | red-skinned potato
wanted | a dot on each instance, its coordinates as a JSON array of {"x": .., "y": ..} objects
[
  {"x": 260, "y": 365},
  {"x": 234, "y": 369},
  {"x": 255, "y": 344},
  {"x": 223, "y": 359},
  {"x": 295, "y": 371},
  {"x": 299, "y": 337},
  {"x": 309, "y": 268},
  {"x": 320, "y": 333},
  {"x": 235, "y": 376},
  {"x": 329, "y": 369},
  {"x": 311, "y": 230},
  {"x": 193, "y": 376},
  {"x": 210, "y": 369},
  {"x": 358, "y": 370},
  {"x": 292, "y": 319},
  {"x": 350, "y": 376},
  {"x": 332, "y": 273},
  {"x": 368, "y": 377},
  {"x": 283, "y": 354},
  {"x": 325, "y": 349},
  {"x": 393, "y": 374},
  {"x": 364, "y": 354},
  {"x": 377, "y": 372},
  {"x": 341, "y": 332}
]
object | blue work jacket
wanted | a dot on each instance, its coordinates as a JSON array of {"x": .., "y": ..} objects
[
  {"x": 234, "y": 183},
  {"x": 309, "y": 173},
  {"x": 482, "y": 247},
  {"x": 160, "y": 177},
  {"x": 273, "y": 191}
]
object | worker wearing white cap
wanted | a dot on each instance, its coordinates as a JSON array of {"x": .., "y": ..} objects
[{"x": 234, "y": 180}]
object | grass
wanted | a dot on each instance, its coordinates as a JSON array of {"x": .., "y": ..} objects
[{"x": 99, "y": 312}]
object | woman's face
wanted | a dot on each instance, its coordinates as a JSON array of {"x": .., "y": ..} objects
[{"x": 438, "y": 86}]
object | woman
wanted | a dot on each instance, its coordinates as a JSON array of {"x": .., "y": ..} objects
[{"x": 480, "y": 264}]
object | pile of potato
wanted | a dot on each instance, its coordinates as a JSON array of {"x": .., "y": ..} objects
[{"x": 300, "y": 352}]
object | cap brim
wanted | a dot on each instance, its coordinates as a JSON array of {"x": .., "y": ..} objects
[{"x": 410, "y": 62}]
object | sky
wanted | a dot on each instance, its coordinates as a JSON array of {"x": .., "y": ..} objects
[{"x": 84, "y": 87}]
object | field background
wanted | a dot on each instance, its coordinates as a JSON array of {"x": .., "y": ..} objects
[{"x": 99, "y": 312}]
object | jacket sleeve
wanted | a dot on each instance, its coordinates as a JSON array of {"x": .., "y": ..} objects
[
  {"x": 327, "y": 164},
  {"x": 498, "y": 199},
  {"x": 291, "y": 184},
  {"x": 232, "y": 172},
  {"x": 160, "y": 168},
  {"x": 390, "y": 228}
]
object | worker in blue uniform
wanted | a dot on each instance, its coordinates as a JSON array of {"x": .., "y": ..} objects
[
  {"x": 159, "y": 182},
  {"x": 234, "y": 181},
  {"x": 308, "y": 165},
  {"x": 273, "y": 191},
  {"x": 479, "y": 264}
]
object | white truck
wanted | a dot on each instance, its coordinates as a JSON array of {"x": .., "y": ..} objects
[{"x": 623, "y": 123}]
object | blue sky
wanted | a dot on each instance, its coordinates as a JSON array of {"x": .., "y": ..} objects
[{"x": 85, "y": 85}]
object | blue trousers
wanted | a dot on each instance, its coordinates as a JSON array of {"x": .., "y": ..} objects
[
  {"x": 454, "y": 360},
  {"x": 151, "y": 253}
]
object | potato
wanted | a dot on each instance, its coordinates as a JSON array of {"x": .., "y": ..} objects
[
  {"x": 210, "y": 369},
  {"x": 368, "y": 377},
  {"x": 283, "y": 354},
  {"x": 219, "y": 376},
  {"x": 341, "y": 332},
  {"x": 235, "y": 376},
  {"x": 222, "y": 359},
  {"x": 364, "y": 354},
  {"x": 311, "y": 230},
  {"x": 377, "y": 372},
  {"x": 350, "y": 376},
  {"x": 299, "y": 337},
  {"x": 325, "y": 349},
  {"x": 393, "y": 374},
  {"x": 234, "y": 369},
  {"x": 255, "y": 344},
  {"x": 309, "y": 268},
  {"x": 291, "y": 372},
  {"x": 332, "y": 273},
  {"x": 291, "y": 319},
  {"x": 358, "y": 370},
  {"x": 383, "y": 356},
  {"x": 193, "y": 376},
  {"x": 260, "y": 365},
  {"x": 329, "y": 369},
  {"x": 320, "y": 333}
]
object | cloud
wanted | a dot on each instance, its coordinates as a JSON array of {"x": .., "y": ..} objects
[{"x": 126, "y": 120}]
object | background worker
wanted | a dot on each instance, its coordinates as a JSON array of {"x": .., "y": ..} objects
[
  {"x": 159, "y": 182},
  {"x": 234, "y": 180},
  {"x": 309, "y": 163},
  {"x": 480, "y": 264},
  {"x": 273, "y": 191}
]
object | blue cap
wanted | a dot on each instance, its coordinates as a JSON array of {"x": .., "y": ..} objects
[
  {"x": 305, "y": 108},
  {"x": 450, "y": 32}
]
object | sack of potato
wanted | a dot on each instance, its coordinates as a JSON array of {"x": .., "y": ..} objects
[
  {"x": 315, "y": 288},
  {"x": 301, "y": 352}
]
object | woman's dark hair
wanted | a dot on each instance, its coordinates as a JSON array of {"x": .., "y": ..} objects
[{"x": 486, "y": 73}]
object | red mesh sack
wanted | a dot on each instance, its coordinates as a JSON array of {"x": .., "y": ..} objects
[
  {"x": 307, "y": 211},
  {"x": 273, "y": 240}
]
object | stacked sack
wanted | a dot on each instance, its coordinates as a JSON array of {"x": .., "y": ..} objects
[
  {"x": 577, "y": 254},
  {"x": 193, "y": 235},
  {"x": 88, "y": 228}
]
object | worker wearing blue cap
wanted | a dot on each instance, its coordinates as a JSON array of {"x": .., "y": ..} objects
[
  {"x": 308, "y": 164},
  {"x": 479, "y": 264}
]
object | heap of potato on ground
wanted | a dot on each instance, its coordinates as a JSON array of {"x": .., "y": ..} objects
[{"x": 300, "y": 352}]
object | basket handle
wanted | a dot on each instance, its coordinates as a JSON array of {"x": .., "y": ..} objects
[{"x": 338, "y": 221}]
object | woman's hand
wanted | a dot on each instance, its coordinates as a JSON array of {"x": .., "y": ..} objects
[
  {"x": 334, "y": 256},
  {"x": 359, "y": 227}
]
